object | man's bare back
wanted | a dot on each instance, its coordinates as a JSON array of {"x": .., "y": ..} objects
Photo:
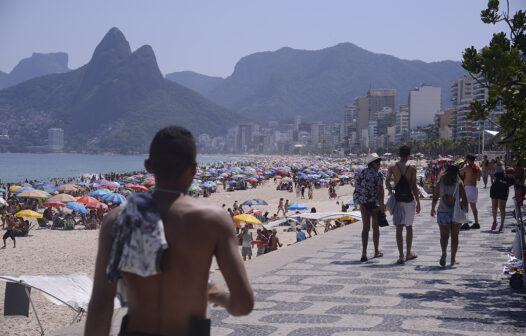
[
  {"x": 195, "y": 231},
  {"x": 470, "y": 177}
]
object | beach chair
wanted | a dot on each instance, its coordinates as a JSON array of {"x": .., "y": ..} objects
[
  {"x": 42, "y": 223},
  {"x": 58, "y": 223}
]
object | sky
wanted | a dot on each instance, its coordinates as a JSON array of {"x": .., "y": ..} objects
[{"x": 210, "y": 37}]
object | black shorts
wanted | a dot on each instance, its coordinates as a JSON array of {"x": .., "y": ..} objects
[{"x": 9, "y": 234}]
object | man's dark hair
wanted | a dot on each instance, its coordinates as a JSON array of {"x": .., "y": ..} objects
[
  {"x": 404, "y": 151},
  {"x": 470, "y": 157},
  {"x": 172, "y": 151}
]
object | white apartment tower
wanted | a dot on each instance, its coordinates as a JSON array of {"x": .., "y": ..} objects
[{"x": 424, "y": 103}]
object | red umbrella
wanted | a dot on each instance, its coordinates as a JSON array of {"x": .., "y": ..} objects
[
  {"x": 86, "y": 199},
  {"x": 139, "y": 188},
  {"x": 54, "y": 204},
  {"x": 96, "y": 205}
]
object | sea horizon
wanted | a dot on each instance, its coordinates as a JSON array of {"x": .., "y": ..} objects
[{"x": 18, "y": 167}]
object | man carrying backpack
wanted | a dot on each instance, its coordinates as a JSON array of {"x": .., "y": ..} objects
[{"x": 406, "y": 192}]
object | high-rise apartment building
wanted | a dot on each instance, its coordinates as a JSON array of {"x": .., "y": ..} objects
[
  {"x": 402, "y": 123},
  {"x": 463, "y": 91},
  {"x": 378, "y": 99},
  {"x": 55, "y": 139},
  {"x": 424, "y": 103}
]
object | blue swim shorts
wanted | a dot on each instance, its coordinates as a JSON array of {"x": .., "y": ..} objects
[{"x": 445, "y": 218}]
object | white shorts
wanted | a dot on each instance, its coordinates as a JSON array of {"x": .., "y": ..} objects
[
  {"x": 408, "y": 210},
  {"x": 472, "y": 194}
]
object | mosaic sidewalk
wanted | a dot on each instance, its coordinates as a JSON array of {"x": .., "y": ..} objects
[{"x": 319, "y": 287}]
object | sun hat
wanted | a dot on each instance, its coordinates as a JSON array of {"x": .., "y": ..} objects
[{"x": 371, "y": 158}]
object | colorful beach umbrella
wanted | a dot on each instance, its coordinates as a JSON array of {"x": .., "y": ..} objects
[
  {"x": 254, "y": 201},
  {"x": 28, "y": 213},
  {"x": 34, "y": 194},
  {"x": 54, "y": 204},
  {"x": 77, "y": 207},
  {"x": 87, "y": 199},
  {"x": 297, "y": 206},
  {"x": 249, "y": 219},
  {"x": 64, "y": 198},
  {"x": 98, "y": 193},
  {"x": 68, "y": 187},
  {"x": 113, "y": 198}
]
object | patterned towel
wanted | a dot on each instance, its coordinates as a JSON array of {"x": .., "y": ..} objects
[{"x": 137, "y": 240}]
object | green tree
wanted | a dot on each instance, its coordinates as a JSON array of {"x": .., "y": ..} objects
[{"x": 501, "y": 67}]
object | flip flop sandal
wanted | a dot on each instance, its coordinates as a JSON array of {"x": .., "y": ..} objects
[
  {"x": 400, "y": 261},
  {"x": 411, "y": 257},
  {"x": 363, "y": 259},
  {"x": 379, "y": 255}
]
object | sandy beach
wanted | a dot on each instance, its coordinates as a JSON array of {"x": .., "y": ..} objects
[{"x": 47, "y": 251}]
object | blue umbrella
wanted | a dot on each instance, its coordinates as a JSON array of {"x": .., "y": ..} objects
[
  {"x": 94, "y": 185},
  {"x": 98, "y": 193},
  {"x": 297, "y": 206},
  {"x": 207, "y": 185},
  {"x": 255, "y": 201},
  {"x": 77, "y": 207},
  {"x": 113, "y": 198}
]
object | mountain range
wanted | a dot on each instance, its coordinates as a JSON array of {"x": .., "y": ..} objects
[
  {"x": 316, "y": 84},
  {"x": 115, "y": 103},
  {"x": 35, "y": 66}
]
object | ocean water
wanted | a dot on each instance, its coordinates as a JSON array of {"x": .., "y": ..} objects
[{"x": 16, "y": 167}]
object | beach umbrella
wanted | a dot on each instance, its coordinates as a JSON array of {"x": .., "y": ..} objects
[
  {"x": 252, "y": 179},
  {"x": 98, "y": 193},
  {"x": 86, "y": 199},
  {"x": 54, "y": 204},
  {"x": 64, "y": 198},
  {"x": 68, "y": 187},
  {"x": 255, "y": 201},
  {"x": 249, "y": 219},
  {"x": 194, "y": 188},
  {"x": 96, "y": 205},
  {"x": 14, "y": 187},
  {"x": 3, "y": 202},
  {"x": 28, "y": 213},
  {"x": 33, "y": 194},
  {"x": 49, "y": 188},
  {"x": 139, "y": 188},
  {"x": 94, "y": 185},
  {"x": 77, "y": 207},
  {"x": 207, "y": 185},
  {"x": 22, "y": 189},
  {"x": 297, "y": 206},
  {"x": 113, "y": 198}
]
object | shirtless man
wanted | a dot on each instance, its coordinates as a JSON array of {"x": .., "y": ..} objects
[
  {"x": 406, "y": 192},
  {"x": 10, "y": 233},
  {"x": 471, "y": 174},
  {"x": 485, "y": 167},
  {"x": 274, "y": 240},
  {"x": 167, "y": 302}
]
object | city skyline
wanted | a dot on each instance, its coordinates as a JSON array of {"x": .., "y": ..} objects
[{"x": 211, "y": 38}]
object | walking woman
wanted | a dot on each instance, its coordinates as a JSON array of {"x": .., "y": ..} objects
[
  {"x": 499, "y": 194},
  {"x": 448, "y": 189}
]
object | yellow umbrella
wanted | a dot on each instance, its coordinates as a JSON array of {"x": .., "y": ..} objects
[
  {"x": 28, "y": 213},
  {"x": 247, "y": 218},
  {"x": 11, "y": 188}
]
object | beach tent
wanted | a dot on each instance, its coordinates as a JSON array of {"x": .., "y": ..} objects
[{"x": 72, "y": 290}]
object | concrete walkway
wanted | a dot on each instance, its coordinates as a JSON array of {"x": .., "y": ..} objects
[{"x": 319, "y": 287}]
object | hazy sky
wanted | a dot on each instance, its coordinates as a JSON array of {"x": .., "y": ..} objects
[{"x": 209, "y": 37}]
